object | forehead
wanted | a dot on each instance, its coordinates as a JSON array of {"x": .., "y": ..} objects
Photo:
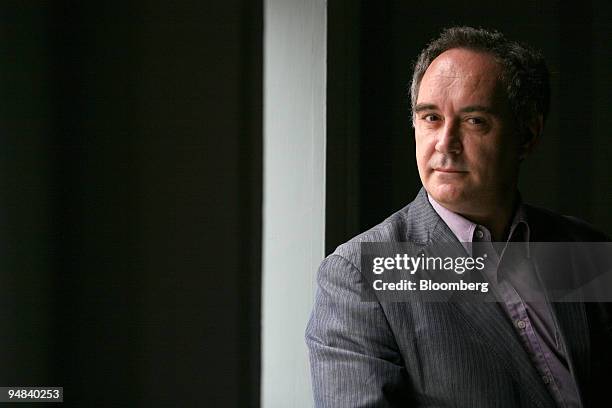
[{"x": 463, "y": 75}]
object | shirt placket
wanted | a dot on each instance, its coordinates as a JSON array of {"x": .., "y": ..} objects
[{"x": 516, "y": 310}]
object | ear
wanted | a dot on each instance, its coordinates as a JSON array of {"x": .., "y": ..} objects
[{"x": 531, "y": 137}]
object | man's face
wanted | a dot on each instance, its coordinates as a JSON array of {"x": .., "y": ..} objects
[{"x": 466, "y": 147}]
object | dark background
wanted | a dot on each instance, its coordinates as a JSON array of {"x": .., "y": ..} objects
[
  {"x": 131, "y": 198},
  {"x": 372, "y": 45},
  {"x": 130, "y": 175}
]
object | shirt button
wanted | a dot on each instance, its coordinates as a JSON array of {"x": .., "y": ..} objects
[
  {"x": 521, "y": 324},
  {"x": 479, "y": 234},
  {"x": 546, "y": 379}
]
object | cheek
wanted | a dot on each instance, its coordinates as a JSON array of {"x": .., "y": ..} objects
[
  {"x": 423, "y": 150},
  {"x": 492, "y": 163}
]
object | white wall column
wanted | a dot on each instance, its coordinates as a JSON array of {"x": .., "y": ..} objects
[{"x": 294, "y": 191}]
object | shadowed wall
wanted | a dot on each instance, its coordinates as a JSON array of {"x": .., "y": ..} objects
[
  {"x": 131, "y": 201},
  {"x": 371, "y": 167}
]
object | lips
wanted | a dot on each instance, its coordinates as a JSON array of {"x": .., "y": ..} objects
[{"x": 442, "y": 170}]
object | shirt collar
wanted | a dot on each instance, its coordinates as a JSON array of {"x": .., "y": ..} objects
[
  {"x": 460, "y": 226},
  {"x": 464, "y": 228}
]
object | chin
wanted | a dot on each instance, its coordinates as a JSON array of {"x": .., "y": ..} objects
[{"x": 447, "y": 194}]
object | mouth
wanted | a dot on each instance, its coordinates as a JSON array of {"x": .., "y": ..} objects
[{"x": 450, "y": 171}]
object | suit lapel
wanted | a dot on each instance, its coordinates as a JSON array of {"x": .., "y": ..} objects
[
  {"x": 487, "y": 319},
  {"x": 572, "y": 322}
]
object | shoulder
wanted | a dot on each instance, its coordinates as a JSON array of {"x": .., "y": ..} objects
[
  {"x": 417, "y": 223},
  {"x": 393, "y": 229},
  {"x": 406, "y": 225},
  {"x": 549, "y": 226}
]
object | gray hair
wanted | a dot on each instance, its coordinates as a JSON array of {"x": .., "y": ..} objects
[{"x": 524, "y": 72}]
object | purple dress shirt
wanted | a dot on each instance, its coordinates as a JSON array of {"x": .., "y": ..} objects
[{"x": 534, "y": 322}]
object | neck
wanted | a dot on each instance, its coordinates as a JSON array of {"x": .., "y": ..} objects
[{"x": 496, "y": 217}]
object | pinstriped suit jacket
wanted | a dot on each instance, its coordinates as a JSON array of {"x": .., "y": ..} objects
[{"x": 451, "y": 354}]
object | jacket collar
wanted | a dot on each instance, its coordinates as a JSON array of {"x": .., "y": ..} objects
[{"x": 486, "y": 319}]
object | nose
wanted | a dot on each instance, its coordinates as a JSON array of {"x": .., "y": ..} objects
[{"x": 449, "y": 139}]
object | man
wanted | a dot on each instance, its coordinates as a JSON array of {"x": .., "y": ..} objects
[{"x": 479, "y": 102}]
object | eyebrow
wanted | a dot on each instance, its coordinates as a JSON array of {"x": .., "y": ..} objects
[
  {"x": 424, "y": 106},
  {"x": 468, "y": 109},
  {"x": 476, "y": 108}
]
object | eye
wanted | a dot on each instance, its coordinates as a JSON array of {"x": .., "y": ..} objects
[
  {"x": 430, "y": 117},
  {"x": 475, "y": 121}
]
